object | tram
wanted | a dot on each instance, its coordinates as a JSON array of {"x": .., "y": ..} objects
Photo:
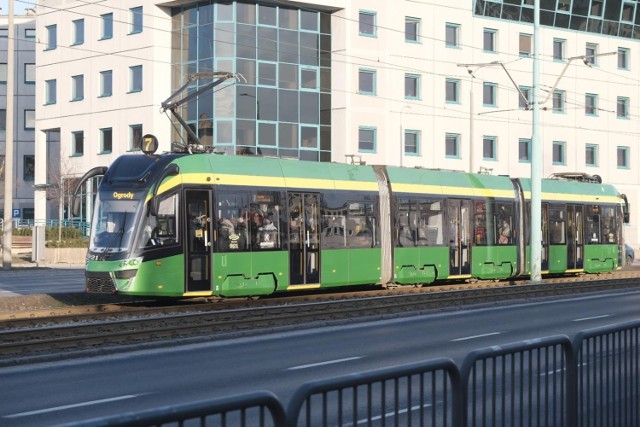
[{"x": 200, "y": 224}]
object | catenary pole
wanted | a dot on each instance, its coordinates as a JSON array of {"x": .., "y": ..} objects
[{"x": 536, "y": 156}]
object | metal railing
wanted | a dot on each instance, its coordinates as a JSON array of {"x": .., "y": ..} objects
[{"x": 591, "y": 381}]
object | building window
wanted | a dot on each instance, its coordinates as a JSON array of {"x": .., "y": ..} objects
[
  {"x": 623, "y": 107},
  {"x": 452, "y": 34},
  {"x": 367, "y": 140},
  {"x": 28, "y": 167},
  {"x": 106, "y": 83},
  {"x": 596, "y": 7},
  {"x": 136, "y": 20},
  {"x": 50, "y": 92},
  {"x": 77, "y": 87},
  {"x": 452, "y": 145},
  {"x": 3, "y": 73},
  {"x": 623, "y": 58},
  {"x": 29, "y": 119},
  {"x": 367, "y": 23},
  {"x": 623, "y": 157},
  {"x": 489, "y": 94},
  {"x": 524, "y": 97},
  {"x": 489, "y": 40},
  {"x": 267, "y": 74},
  {"x": 558, "y": 153},
  {"x": 367, "y": 82},
  {"x": 29, "y": 33},
  {"x": 106, "y": 140},
  {"x": 411, "y": 86},
  {"x": 135, "y": 137},
  {"x": 3, "y": 119},
  {"x": 591, "y": 155},
  {"x": 309, "y": 79},
  {"x": 135, "y": 78},
  {"x": 411, "y": 30},
  {"x": 558, "y": 101},
  {"x": 107, "y": 26},
  {"x": 590, "y": 53},
  {"x": 564, "y": 5},
  {"x": 29, "y": 73},
  {"x": 77, "y": 143},
  {"x": 591, "y": 104},
  {"x": 628, "y": 9},
  {"x": 489, "y": 147},
  {"x": 52, "y": 37},
  {"x": 558, "y": 49},
  {"x": 412, "y": 142},
  {"x": 78, "y": 31},
  {"x": 525, "y": 44},
  {"x": 524, "y": 150},
  {"x": 453, "y": 91}
]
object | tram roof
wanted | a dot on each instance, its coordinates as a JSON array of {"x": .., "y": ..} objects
[
  {"x": 266, "y": 172},
  {"x": 573, "y": 191}
]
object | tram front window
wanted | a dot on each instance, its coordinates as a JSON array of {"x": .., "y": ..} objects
[{"x": 113, "y": 225}]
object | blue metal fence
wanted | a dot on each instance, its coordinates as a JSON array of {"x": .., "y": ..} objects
[{"x": 591, "y": 381}]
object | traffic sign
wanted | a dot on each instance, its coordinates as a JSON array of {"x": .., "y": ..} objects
[{"x": 16, "y": 213}]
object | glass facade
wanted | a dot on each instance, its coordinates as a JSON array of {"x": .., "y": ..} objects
[
  {"x": 612, "y": 17},
  {"x": 281, "y": 106}
]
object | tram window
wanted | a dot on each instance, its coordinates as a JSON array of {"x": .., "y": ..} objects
[
  {"x": 349, "y": 220},
  {"x": 502, "y": 223},
  {"x": 556, "y": 227},
  {"x": 419, "y": 223},
  {"x": 161, "y": 230},
  {"x": 360, "y": 225},
  {"x": 593, "y": 224},
  {"x": 609, "y": 224},
  {"x": 248, "y": 220},
  {"x": 480, "y": 223}
]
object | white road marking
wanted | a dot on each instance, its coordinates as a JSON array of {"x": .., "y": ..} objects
[
  {"x": 592, "y": 318},
  {"x": 75, "y": 405},
  {"x": 476, "y": 336},
  {"x": 328, "y": 362},
  {"x": 390, "y": 414}
]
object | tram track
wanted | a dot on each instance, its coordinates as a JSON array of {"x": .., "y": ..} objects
[{"x": 22, "y": 340}]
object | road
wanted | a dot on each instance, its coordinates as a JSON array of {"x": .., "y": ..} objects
[
  {"x": 72, "y": 390},
  {"x": 31, "y": 280}
]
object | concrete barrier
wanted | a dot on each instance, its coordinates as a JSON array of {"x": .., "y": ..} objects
[{"x": 65, "y": 255}]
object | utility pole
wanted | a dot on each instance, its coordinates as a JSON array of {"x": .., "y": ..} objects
[
  {"x": 536, "y": 157},
  {"x": 8, "y": 153}
]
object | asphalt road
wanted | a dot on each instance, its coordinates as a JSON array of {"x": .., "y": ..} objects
[
  {"x": 31, "y": 280},
  {"x": 73, "y": 390}
]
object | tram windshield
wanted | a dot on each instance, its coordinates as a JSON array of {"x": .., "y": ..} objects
[{"x": 113, "y": 225}]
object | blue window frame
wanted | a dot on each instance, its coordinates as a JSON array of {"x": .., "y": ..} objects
[
  {"x": 78, "y": 31},
  {"x": 452, "y": 35},
  {"x": 623, "y": 157},
  {"x": 591, "y": 155},
  {"x": 52, "y": 37},
  {"x": 106, "y": 83},
  {"x": 50, "y": 92},
  {"x": 309, "y": 79},
  {"x": 136, "y": 20},
  {"x": 452, "y": 90},
  {"x": 367, "y": 81},
  {"x": 411, "y": 86},
  {"x": 558, "y": 49},
  {"x": 524, "y": 97},
  {"x": 309, "y": 137},
  {"x": 367, "y": 139},
  {"x": 367, "y": 23},
  {"x": 77, "y": 143},
  {"x": 452, "y": 145},
  {"x": 135, "y": 78},
  {"x": 489, "y": 147},
  {"x": 135, "y": 137},
  {"x": 591, "y": 53},
  {"x": 411, "y": 29},
  {"x": 29, "y": 119},
  {"x": 412, "y": 142},
  {"x": 524, "y": 150},
  {"x": 106, "y": 140},
  {"x": 623, "y": 58},
  {"x": 489, "y": 40},
  {"x": 591, "y": 104},
  {"x": 107, "y": 26},
  {"x": 29, "y": 73},
  {"x": 558, "y": 101},
  {"x": 77, "y": 87},
  {"x": 489, "y": 94},
  {"x": 622, "y": 109},
  {"x": 524, "y": 44},
  {"x": 559, "y": 153}
]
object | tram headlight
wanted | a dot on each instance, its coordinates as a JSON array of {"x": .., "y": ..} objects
[{"x": 125, "y": 274}]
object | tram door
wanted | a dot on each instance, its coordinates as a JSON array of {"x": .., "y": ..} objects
[
  {"x": 460, "y": 229},
  {"x": 304, "y": 238},
  {"x": 198, "y": 241},
  {"x": 575, "y": 236}
]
